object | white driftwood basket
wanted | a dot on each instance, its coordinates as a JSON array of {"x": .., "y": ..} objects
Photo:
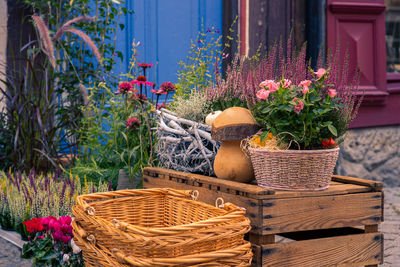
[{"x": 185, "y": 145}]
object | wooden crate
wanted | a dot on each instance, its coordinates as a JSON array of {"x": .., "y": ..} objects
[{"x": 334, "y": 227}]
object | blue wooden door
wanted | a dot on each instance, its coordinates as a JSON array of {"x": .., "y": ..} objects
[{"x": 164, "y": 28}]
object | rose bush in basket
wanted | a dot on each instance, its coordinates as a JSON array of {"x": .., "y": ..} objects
[
  {"x": 308, "y": 115},
  {"x": 302, "y": 124}
]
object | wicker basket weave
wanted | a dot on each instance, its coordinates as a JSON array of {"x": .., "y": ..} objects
[
  {"x": 159, "y": 227},
  {"x": 294, "y": 169}
]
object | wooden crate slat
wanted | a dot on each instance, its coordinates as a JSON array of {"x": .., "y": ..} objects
[
  {"x": 250, "y": 189},
  {"x": 297, "y": 214},
  {"x": 377, "y": 186},
  {"x": 348, "y": 250}
]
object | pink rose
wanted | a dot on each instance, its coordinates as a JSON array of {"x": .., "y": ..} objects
[
  {"x": 305, "y": 84},
  {"x": 262, "y": 94},
  {"x": 332, "y": 92},
  {"x": 299, "y": 106},
  {"x": 320, "y": 72},
  {"x": 287, "y": 83},
  {"x": 270, "y": 84}
]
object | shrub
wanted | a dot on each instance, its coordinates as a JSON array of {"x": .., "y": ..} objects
[
  {"x": 23, "y": 197},
  {"x": 50, "y": 242}
]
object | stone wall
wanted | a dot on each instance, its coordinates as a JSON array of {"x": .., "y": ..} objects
[
  {"x": 372, "y": 153},
  {"x": 3, "y": 45}
]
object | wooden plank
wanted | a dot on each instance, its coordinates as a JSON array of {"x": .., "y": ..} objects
[
  {"x": 257, "y": 259},
  {"x": 252, "y": 206},
  {"x": 249, "y": 189},
  {"x": 348, "y": 250},
  {"x": 297, "y": 214},
  {"x": 261, "y": 239},
  {"x": 377, "y": 186},
  {"x": 254, "y": 191}
]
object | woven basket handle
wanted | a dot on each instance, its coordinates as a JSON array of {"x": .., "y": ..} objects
[{"x": 84, "y": 200}]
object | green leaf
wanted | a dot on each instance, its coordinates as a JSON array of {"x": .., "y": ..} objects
[
  {"x": 332, "y": 129},
  {"x": 264, "y": 136}
]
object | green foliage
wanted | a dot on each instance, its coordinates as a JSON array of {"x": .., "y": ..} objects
[
  {"x": 76, "y": 65},
  {"x": 23, "y": 197},
  {"x": 31, "y": 134},
  {"x": 5, "y": 146},
  {"x": 201, "y": 63},
  {"x": 304, "y": 118},
  {"x": 107, "y": 142}
]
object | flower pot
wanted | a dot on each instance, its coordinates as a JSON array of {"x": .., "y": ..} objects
[{"x": 294, "y": 169}]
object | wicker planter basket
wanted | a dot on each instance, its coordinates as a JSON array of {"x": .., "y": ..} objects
[
  {"x": 185, "y": 145},
  {"x": 294, "y": 169},
  {"x": 158, "y": 227}
]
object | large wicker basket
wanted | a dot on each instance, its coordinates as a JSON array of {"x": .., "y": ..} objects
[
  {"x": 294, "y": 169},
  {"x": 159, "y": 227}
]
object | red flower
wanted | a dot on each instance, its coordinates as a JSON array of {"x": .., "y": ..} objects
[
  {"x": 167, "y": 87},
  {"x": 34, "y": 225},
  {"x": 158, "y": 92},
  {"x": 140, "y": 97},
  {"x": 163, "y": 105},
  {"x": 328, "y": 143},
  {"x": 145, "y": 65},
  {"x": 132, "y": 123},
  {"x": 141, "y": 80},
  {"x": 124, "y": 87}
]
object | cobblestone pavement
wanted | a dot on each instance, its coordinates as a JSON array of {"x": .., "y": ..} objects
[
  {"x": 391, "y": 227},
  {"x": 10, "y": 255}
]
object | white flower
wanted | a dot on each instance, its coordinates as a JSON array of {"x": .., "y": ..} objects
[
  {"x": 75, "y": 247},
  {"x": 116, "y": 2},
  {"x": 65, "y": 258}
]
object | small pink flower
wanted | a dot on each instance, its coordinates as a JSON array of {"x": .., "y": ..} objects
[
  {"x": 270, "y": 84},
  {"x": 145, "y": 65},
  {"x": 158, "y": 92},
  {"x": 167, "y": 87},
  {"x": 163, "y": 105},
  {"x": 65, "y": 239},
  {"x": 332, "y": 93},
  {"x": 132, "y": 123},
  {"x": 262, "y": 94},
  {"x": 305, "y": 84},
  {"x": 320, "y": 72},
  {"x": 299, "y": 106},
  {"x": 286, "y": 83},
  {"x": 124, "y": 87},
  {"x": 65, "y": 220}
]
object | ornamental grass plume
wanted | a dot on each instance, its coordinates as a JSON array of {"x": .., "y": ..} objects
[{"x": 48, "y": 42}]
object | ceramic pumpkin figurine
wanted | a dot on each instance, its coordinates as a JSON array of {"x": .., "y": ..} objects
[{"x": 230, "y": 127}]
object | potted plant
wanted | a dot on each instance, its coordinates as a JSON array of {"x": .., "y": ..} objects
[{"x": 302, "y": 124}]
